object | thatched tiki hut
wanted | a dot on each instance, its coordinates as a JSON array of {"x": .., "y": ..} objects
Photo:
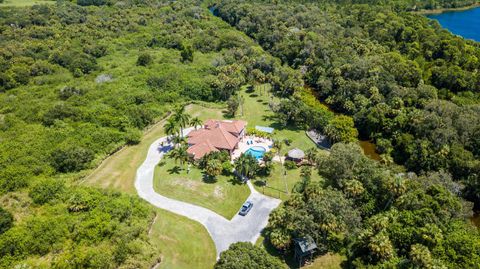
[{"x": 296, "y": 155}]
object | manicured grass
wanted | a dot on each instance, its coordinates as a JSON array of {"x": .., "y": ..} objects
[
  {"x": 24, "y": 3},
  {"x": 276, "y": 181},
  {"x": 118, "y": 171},
  {"x": 183, "y": 243},
  {"x": 224, "y": 196},
  {"x": 327, "y": 261},
  {"x": 257, "y": 112}
]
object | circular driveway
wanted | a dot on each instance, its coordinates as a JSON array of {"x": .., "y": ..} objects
[{"x": 223, "y": 231}]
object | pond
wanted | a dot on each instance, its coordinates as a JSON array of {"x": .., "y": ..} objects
[
  {"x": 369, "y": 150},
  {"x": 465, "y": 23}
]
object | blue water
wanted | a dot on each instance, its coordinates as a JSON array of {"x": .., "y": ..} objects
[
  {"x": 463, "y": 23},
  {"x": 256, "y": 152}
]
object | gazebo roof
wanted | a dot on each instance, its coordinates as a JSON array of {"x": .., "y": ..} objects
[
  {"x": 306, "y": 244},
  {"x": 296, "y": 154}
]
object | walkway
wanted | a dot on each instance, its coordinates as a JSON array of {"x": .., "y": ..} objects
[{"x": 223, "y": 232}]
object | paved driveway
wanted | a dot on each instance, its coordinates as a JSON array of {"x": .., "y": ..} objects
[{"x": 223, "y": 231}]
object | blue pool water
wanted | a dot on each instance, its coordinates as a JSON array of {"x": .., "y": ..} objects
[
  {"x": 256, "y": 152},
  {"x": 463, "y": 23}
]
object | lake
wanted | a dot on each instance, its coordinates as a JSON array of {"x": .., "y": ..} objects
[{"x": 465, "y": 23}]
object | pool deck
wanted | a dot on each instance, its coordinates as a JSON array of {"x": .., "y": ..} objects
[{"x": 257, "y": 142}]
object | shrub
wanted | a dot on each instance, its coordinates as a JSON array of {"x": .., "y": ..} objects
[
  {"x": 68, "y": 91},
  {"x": 144, "y": 59},
  {"x": 46, "y": 190},
  {"x": 258, "y": 133},
  {"x": 6, "y": 220},
  {"x": 14, "y": 177},
  {"x": 227, "y": 168},
  {"x": 290, "y": 165},
  {"x": 41, "y": 67},
  {"x": 133, "y": 136},
  {"x": 187, "y": 53},
  {"x": 6, "y": 82},
  {"x": 246, "y": 255},
  {"x": 91, "y": 2},
  {"x": 71, "y": 158}
]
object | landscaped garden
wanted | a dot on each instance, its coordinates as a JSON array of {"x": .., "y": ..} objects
[
  {"x": 282, "y": 179},
  {"x": 256, "y": 111},
  {"x": 222, "y": 194}
]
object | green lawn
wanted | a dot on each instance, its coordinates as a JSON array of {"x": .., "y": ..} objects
[
  {"x": 276, "y": 181},
  {"x": 257, "y": 112},
  {"x": 24, "y": 3},
  {"x": 183, "y": 243},
  {"x": 118, "y": 171},
  {"x": 224, "y": 196}
]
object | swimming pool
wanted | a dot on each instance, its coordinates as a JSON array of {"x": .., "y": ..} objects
[{"x": 256, "y": 152}]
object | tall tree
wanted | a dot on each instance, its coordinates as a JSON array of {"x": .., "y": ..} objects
[
  {"x": 171, "y": 127},
  {"x": 196, "y": 122},
  {"x": 180, "y": 154},
  {"x": 181, "y": 118},
  {"x": 246, "y": 165}
]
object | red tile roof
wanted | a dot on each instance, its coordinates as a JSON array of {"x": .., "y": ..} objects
[
  {"x": 232, "y": 126},
  {"x": 216, "y": 135},
  {"x": 201, "y": 149}
]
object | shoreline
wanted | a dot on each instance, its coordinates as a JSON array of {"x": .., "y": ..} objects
[{"x": 444, "y": 10}]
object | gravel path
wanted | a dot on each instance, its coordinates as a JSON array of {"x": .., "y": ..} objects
[{"x": 223, "y": 231}]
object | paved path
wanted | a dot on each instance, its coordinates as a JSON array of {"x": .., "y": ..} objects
[{"x": 223, "y": 232}]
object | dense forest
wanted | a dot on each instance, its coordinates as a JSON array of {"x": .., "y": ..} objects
[{"x": 411, "y": 87}]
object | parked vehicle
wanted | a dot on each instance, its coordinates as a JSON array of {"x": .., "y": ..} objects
[{"x": 245, "y": 208}]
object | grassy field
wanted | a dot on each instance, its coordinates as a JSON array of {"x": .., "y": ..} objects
[
  {"x": 118, "y": 171},
  {"x": 257, "y": 112},
  {"x": 184, "y": 243},
  {"x": 224, "y": 196},
  {"x": 276, "y": 181},
  {"x": 24, "y": 3}
]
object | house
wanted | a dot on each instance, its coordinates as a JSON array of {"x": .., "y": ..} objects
[{"x": 215, "y": 135}]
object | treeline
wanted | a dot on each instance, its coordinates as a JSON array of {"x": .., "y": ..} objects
[
  {"x": 411, "y": 86},
  {"x": 398, "y": 5}
]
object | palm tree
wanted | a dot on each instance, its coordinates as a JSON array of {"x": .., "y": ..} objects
[
  {"x": 180, "y": 155},
  {"x": 277, "y": 144},
  {"x": 179, "y": 140},
  {"x": 213, "y": 168},
  {"x": 246, "y": 165},
  {"x": 311, "y": 155},
  {"x": 196, "y": 122},
  {"x": 182, "y": 119},
  {"x": 171, "y": 126}
]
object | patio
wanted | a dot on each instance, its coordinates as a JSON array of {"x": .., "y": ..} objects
[{"x": 251, "y": 141}]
